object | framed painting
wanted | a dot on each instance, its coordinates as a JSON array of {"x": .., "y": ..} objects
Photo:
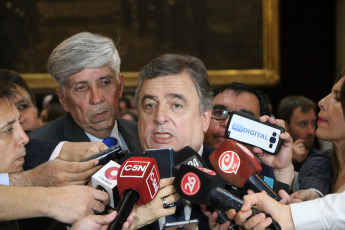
[{"x": 237, "y": 40}]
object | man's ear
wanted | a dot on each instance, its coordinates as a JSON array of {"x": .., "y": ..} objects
[
  {"x": 206, "y": 118},
  {"x": 121, "y": 85},
  {"x": 62, "y": 99}
]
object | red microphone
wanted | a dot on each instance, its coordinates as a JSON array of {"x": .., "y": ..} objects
[
  {"x": 137, "y": 182},
  {"x": 204, "y": 186},
  {"x": 238, "y": 166}
]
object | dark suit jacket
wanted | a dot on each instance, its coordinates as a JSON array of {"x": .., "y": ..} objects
[
  {"x": 65, "y": 129},
  {"x": 43, "y": 142},
  {"x": 317, "y": 172},
  {"x": 196, "y": 212}
]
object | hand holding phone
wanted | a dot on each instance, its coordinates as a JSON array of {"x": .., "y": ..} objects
[{"x": 250, "y": 130}]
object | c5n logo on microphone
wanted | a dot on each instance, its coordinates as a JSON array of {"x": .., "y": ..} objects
[
  {"x": 111, "y": 173},
  {"x": 152, "y": 182},
  {"x": 229, "y": 162},
  {"x": 134, "y": 169},
  {"x": 190, "y": 184}
]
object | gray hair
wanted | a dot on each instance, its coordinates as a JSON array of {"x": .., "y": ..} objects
[
  {"x": 82, "y": 51},
  {"x": 171, "y": 64}
]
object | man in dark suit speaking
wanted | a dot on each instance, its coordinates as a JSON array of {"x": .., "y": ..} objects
[{"x": 86, "y": 68}]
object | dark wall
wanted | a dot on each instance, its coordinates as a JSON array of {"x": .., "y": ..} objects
[{"x": 307, "y": 49}]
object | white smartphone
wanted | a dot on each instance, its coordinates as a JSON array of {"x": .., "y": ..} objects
[
  {"x": 250, "y": 130},
  {"x": 182, "y": 225}
]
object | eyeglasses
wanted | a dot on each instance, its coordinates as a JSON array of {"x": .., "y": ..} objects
[{"x": 220, "y": 114}]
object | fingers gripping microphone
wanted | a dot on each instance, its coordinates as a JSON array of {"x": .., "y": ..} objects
[
  {"x": 137, "y": 182},
  {"x": 204, "y": 186},
  {"x": 238, "y": 165},
  {"x": 113, "y": 153}
]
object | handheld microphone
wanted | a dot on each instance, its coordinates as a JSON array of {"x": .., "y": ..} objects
[
  {"x": 113, "y": 153},
  {"x": 106, "y": 179},
  {"x": 238, "y": 165},
  {"x": 188, "y": 156},
  {"x": 204, "y": 186},
  {"x": 137, "y": 182}
]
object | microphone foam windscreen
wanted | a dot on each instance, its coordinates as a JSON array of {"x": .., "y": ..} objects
[
  {"x": 189, "y": 156},
  {"x": 196, "y": 183},
  {"x": 234, "y": 162},
  {"x": 139, "y": 174}
]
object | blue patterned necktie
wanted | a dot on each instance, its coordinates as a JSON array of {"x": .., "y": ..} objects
[
  {"x": 110, "y": 141},
  {"x": 178, "y": 215}
]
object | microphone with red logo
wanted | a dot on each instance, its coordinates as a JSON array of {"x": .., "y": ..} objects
[
  {"x": 189, "y": 156},
  {"x": 238, "y": 166},
  {"x": 137, "y": 182},
  {"x": 105, "y": 179},
  {"x": 204, "y": 186}
]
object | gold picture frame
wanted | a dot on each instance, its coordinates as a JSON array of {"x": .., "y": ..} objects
[{"x": 268, "y": 75}]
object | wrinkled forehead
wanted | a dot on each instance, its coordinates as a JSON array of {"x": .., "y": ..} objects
[{"x": 179, "y": 85}]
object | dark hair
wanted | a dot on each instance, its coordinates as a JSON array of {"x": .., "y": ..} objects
[
  {"x": 54, "y": 111},
  {"x": 239, "y": 88},
  {"x": 6, "y": 93},
  {"x": 172, "y": 64},
  {"x": 334, "y": 158},
  {"x": 12, "y": 79},
  {"x": 288, "y": 104}
]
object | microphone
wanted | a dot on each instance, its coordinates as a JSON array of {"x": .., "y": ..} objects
[
  {"x": 113, "y": 153},
  {"x": 189, "y": 156},
  {"x": 204, "y": 186},
  {"x": 137, "y": 182},
  {"x": 105, "y": 179},
  {"x": 238, "y": 166}
]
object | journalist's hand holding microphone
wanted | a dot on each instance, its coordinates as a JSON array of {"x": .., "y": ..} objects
[{"x": 148, "y": 213}]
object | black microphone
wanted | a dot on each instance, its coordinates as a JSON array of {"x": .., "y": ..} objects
[
  {"x": 204, "y": 186},
  {"x": 113, "y": 153},
  {"x": 137, "y": 182},
  {"x": 188, "y": 156}
]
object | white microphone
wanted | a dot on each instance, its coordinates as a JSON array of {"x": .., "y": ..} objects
[{"x": 106, "y": 179}]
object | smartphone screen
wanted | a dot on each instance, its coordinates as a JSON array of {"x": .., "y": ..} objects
[{"x": 250, "y": 130}]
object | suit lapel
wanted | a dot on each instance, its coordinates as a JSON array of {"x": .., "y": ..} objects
[
  {"x": 72, "y": 132},
  {"x": 129, "y": 132}
]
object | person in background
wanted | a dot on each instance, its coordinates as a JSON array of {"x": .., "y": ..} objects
[
  {"x": 24, "y": 100},
  {"x": 322, "y": 213},
  {"x": 130, "y": 115},
  {"x": 299, "y": 114},
  {"x": 51, "y": 109},
  {"x": 245, "y": 98}
]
